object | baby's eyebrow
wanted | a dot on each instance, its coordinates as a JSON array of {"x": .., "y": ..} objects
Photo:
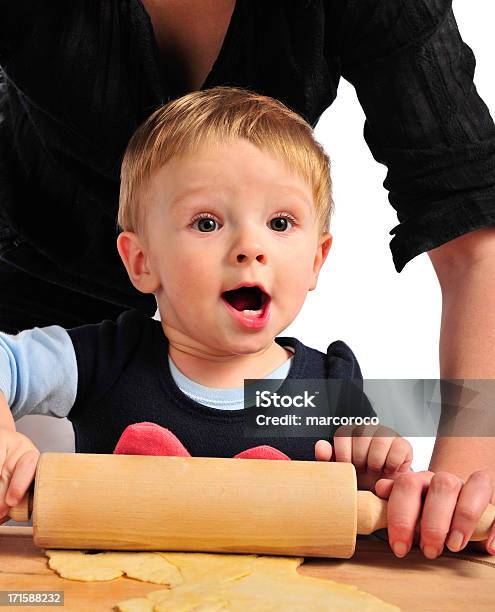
[
  {"x": 180, "y": 199},
  {"x": 280, "y": 192},
  {"x": 297, "y": 196}
]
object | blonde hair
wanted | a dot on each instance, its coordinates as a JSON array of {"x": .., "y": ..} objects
[{"x": 221, "y": 114}]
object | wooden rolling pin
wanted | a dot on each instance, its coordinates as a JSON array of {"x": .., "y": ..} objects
[{"x": 136, "y": 502}]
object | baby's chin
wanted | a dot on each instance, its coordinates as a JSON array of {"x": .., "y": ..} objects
[
  {"x": 219, "y": 343},
  {"x": 242, "y": 344}
]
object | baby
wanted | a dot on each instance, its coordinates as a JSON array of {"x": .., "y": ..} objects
[{"x": 225, "y": 205}]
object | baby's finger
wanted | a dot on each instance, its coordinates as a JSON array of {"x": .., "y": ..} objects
[
  {"x": 400, "y": 456},
  {"x": 22, "y": 477},
  {"x": 342, "y": 442},
  {"x": 378, "y": 453},
  {"x": 361, "y": 442},
  {"x": 472, "y": 502},
  {"x": 383, "y": 487},
  {"x": 439, "y": 506},
  {"x": 323, "y": 450},
  {"x": 404, "y": 509},
  {"x": 360, "y": 450}
]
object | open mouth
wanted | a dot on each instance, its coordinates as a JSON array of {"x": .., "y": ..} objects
[{"x": 249, "y": 300}]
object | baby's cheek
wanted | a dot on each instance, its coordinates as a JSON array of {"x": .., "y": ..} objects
[
  {"x": 294, "y": 285},
  {"x": 299, "y": 274},
  {"x": 191, "y": 272}
]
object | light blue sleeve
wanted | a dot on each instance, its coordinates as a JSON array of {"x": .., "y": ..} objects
[{"x": 38, "y": 371}]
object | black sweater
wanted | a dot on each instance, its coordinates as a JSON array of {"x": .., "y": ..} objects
[
  {"x": 124, "y": 378},
  {"x": 80, "y": 76}
]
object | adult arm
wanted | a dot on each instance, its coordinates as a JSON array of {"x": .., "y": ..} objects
[
  {"x": 465, "y": 270},
  {"x": 424, "y": 119}
]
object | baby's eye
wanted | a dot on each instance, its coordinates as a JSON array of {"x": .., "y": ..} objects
[
  {"x": 204, "y": 223},
  {"x": 281, "y": 222}
]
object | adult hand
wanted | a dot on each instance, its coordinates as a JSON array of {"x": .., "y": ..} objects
[{"x": 448, "y": 507}]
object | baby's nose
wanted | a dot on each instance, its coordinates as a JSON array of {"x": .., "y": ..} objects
[
  {"x": 246, "y": 256},
  {"x": 248, "y": 246}
]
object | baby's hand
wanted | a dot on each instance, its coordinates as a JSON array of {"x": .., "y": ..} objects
[
  {"x": 449, "y": 513},
  {"x": 376, "y": 452},
  {"x": 18, "y": 461}
]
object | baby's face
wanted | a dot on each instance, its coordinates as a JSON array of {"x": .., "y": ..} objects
[{"x": 234, "y": 245}]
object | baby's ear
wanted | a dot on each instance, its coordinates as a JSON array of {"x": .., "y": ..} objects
[
  {"x": 133, "y": 253},
  {"x": 324, "y": 244}
]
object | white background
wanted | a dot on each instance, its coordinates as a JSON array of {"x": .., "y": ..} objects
[{"x": 390, "y": 320}]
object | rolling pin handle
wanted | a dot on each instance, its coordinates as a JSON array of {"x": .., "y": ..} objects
[
  {"x": 22, "y": 512},
  {"x": 372, "y": 515},
  {"x": 371, "y": 512},
  {"x": 483, "y": 526}
]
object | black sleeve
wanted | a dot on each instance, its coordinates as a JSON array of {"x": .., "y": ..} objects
[
  {"x": 353, "y": 401},
  {"x": 102, "y": 352},
  {"x": 413, "y": 76},
  {"x": 341, "y": 362},
  {"x": 345, "y": 382}
]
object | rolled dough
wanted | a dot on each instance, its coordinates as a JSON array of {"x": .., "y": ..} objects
[{"x": 203, "y": 582}]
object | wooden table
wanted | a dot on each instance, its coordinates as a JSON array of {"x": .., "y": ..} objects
[{"x": 454, "y": 582}]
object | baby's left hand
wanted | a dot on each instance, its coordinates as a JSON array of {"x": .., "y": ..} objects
[{"x": 376, "y": 452}]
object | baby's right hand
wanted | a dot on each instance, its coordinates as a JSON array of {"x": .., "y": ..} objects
[{"x": 18, "y": 461}]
